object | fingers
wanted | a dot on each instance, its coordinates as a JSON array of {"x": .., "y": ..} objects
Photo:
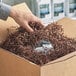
[
  {"x": 38, "y": 20},
  {"x": 27, "y": 27}
]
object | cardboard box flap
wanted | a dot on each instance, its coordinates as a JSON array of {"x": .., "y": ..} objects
[
  {"x": 69, "y": 27},
  {"x": 18, "y": 66},
  {"x": 65, "y": 68}
]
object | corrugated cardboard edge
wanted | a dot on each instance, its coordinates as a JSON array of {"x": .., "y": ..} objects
[
  {"x": 13, "y": 65},
  {"x": 63, "y": 58}
]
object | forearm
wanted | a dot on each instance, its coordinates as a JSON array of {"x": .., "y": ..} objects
[
  {"x": 14, "y": 12},
  {"x": 4, "y": 11},
  {"x": 21, "y": 16}
]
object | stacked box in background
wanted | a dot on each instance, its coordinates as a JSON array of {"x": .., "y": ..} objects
[
  {"x": 58, "y": 9},
  {"x": 49, "y": 10},
  {"x": 42, "y": 9},
  {"x": 71, "y": 8}
]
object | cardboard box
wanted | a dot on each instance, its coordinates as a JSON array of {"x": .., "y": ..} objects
[{"x": 13, "y": 65}]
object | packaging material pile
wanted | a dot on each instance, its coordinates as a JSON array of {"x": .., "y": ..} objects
[{"x": 23, "y": 43}]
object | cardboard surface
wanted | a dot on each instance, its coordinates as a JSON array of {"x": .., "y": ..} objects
[
  {"x": 64, "y": 68},
  {"x": 69, "y": 26},
  {"x": 13, "y": 65}
]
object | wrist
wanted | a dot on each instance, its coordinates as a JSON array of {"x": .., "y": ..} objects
[{"x": 13, "y": 12}]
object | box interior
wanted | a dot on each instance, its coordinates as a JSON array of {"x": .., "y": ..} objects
[{"x": 12, "y": 25}]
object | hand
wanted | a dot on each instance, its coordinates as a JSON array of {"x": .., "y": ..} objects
[{"x": 23, "y": 17}]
